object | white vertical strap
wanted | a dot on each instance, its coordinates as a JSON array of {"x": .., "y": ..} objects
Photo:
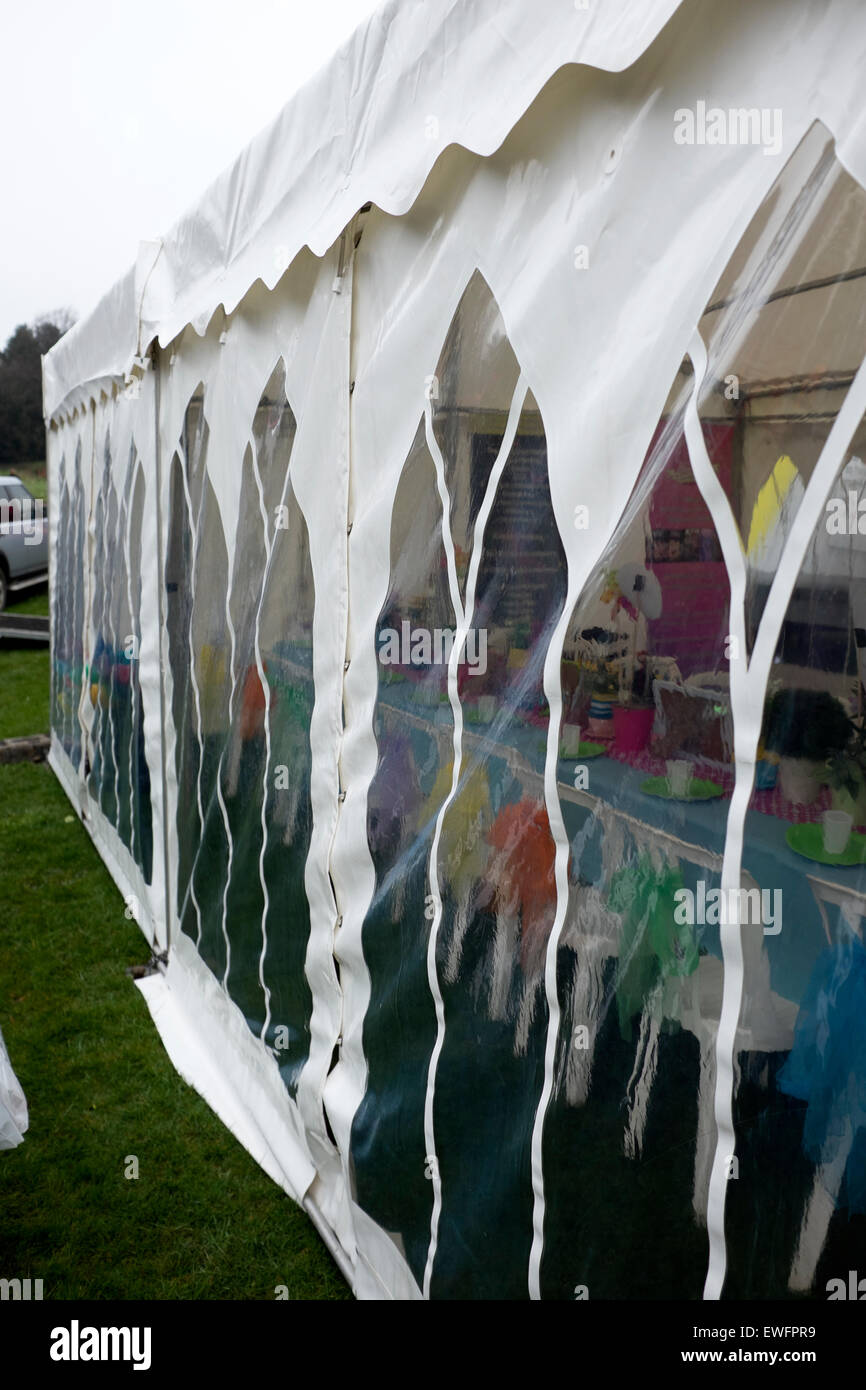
[
  {"x": 263, "y": 584},
  {"x": 219, "y": 778},
  {"x": 84, "y": 568},
  {"x": 553, "y": 691},
  {"x": 193, "y": 526},
  {"x": 164, "y": 787},
  {"x": 445, "y": 499},
  {"x": 432, "y": 977},
  {"x": 748, "y": 688},
  {"x": 99, "y": 621},
  {"x": 745, "y": 747},
  {"x": 114, "y": 608},
  {"x": 133, "y": 666},
  {"x": 464, "y": 621}
]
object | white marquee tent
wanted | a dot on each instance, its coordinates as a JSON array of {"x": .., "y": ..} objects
[{"x": 345, "y": 475}]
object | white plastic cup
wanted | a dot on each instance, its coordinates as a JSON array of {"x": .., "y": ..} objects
[
  {"x": 837, "y": 831},
  {"x": 571, "y": 740},
  {"x": 679, "y": 772}
]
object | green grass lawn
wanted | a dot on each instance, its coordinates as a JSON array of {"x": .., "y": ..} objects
[
  {"x": 24, "y": 677},
  {"x": 202, "y": 1221}
]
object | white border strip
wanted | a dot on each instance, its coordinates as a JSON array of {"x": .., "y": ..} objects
[
  {"x": 179, "y": 453},
  {"x": 464, "y": 621},
  {"x": 745, "y": 734}
]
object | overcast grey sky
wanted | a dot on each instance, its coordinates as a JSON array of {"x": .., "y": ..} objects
[{"x": 114, "y": 117}]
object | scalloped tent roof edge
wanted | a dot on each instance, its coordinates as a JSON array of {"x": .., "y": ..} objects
[{"x": 411, "y": 81}]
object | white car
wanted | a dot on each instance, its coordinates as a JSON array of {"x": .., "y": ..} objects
[{"x": 23, "y": 538}]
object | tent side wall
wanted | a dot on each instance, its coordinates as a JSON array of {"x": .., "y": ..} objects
[
  {"x": 106, "y": 715},
  {"x": 323, "y": 570}
]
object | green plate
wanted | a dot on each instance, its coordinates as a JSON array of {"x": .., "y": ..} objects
[
  {"x": 699, "y": 789},
  {"x": 585, "y": 750},
  {"x": 808, "y": 840}
]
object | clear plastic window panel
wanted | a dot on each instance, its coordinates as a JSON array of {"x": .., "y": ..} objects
[
  {"x": 458, "y": 827},
  {"x": 59, "y": 601},
  {"x": 141, "y": 818},
  {"x": 796, "y": 1216},
  {"x": 107, "y": 542},
  {"x": 656, "y": 938},
  {"x": 119, "y": 779},
  {"x": 788, "y": 322},
  {"x": 644, "y": 783},
  {"x": 461, "y": 1099},
  {"x": 68, "y": 672},
  {"x": 243, "y": 695}
]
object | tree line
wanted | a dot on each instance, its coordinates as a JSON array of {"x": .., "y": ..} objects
[{"x": 22, "y": 427}]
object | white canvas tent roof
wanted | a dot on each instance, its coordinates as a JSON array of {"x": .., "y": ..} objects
[
  {"x": 358, "y": 132},
  {"x": 414, "y": 79}
]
